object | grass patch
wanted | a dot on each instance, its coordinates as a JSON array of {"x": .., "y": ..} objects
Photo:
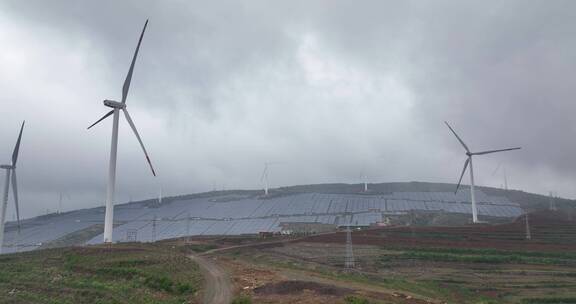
[
  {"x": 198, "y": 248},
  {"x": 242, "y": 300},
  {"x": 127, "y": 273}
]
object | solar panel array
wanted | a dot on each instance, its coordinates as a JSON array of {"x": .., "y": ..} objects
[{"x": 228, "y": 215}]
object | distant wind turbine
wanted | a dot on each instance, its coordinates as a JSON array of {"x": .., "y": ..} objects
[
  {"x": 503, "y": 173},
  {"x": 10, "y": 176},
  {"x": 467, "y": 163},
  {"x": 264, "y": 177},
  {"x": 116, "y": 107},
  {"x": 364, "y": 179},
  {"x": 61, "y": 196}
]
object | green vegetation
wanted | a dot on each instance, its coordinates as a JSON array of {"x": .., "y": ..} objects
[
  {"x": 127, "y": 273},
  {"x": 242, "y": 300},
  {"x": 198, "y": 248}
]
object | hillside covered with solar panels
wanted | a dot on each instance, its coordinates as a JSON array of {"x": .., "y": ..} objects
[{"x": 249, "y": 212}]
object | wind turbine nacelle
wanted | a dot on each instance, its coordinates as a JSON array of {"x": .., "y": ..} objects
[{"x": 114, "y": 104}]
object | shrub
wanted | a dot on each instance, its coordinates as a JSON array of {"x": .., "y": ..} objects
[
  {"x": 183, "y": 288},
  {"x": 355, "y": 300},
  {"x": 159, "y": 283},
  {"x": 242, "y": 300}
]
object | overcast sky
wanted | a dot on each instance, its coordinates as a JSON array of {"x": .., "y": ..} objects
[{"x": 327, "y": 88}]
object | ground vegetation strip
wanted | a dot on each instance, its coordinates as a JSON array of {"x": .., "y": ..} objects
[{"x": 125, "y": 273}]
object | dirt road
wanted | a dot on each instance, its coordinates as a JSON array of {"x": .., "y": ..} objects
[{"x": 218, "y": 289}]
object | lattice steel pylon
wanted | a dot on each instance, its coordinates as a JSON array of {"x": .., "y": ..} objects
[
  {"x": 188, "y": 228},
  {"x": 154, "y": 229},
  {"x": 553, "y": 202},
  {"x": 349, "y": 262},
  {"x": 528, "y": 232}
]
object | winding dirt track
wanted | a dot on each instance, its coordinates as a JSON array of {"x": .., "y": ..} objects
[{"x": 218, "y": 289}]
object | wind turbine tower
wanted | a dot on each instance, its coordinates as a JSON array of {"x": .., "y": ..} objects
[
  {"x": 116, "y": 108},
  {"x": 61, "y": 196},
  {"x": 10, "y": 177},
  {"x": 264, "y": 178},
  {"x": 468, "y": 163},
  {"x": 505, "y": 186},
  {"x": 505, "y": 179}
]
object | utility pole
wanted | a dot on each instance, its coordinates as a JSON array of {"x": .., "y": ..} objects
[
  {"x": 505, "y": 180},
  {"x": 154, "y": 229},
  {"x": 188, "y": 228},
  {"x": 528, "y": 234},
  {"x": 60, "y": 203},
  {"x": 349, "y": 263},
  {"x": 552, "y": 202}
]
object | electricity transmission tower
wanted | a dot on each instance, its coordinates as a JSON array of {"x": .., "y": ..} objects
[
  {"x": 188, "y": 228},
  {"x": 528, "y": 233},
  {"x": 154, "y": 229},
  {"x": 349, "y": 260},
  {"x": 552, "y": 202}
]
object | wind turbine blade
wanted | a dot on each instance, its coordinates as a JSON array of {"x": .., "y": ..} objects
[
  {"x": 128, "y": 79},
  {"x": 462, "y": 175},
  {"x": 101, "y": 119},
  {"x": 494, "y": 151},
  {"x": 15, "y": 192},
  {"x": 458, "y": 137},
  {"x": 17, "y": 147},
  {"x": 264, "y": 172},
  {"x": 131, "y": 123}
]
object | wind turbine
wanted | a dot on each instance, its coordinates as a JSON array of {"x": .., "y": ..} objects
[
  {"x": 503, "y": 174},
  {"x": 364, "y": 178},
  {"x": 264, "y": 177},
  {"x": 467, "y": 163},
  {"x": 61, "y": 196},
  {"x": 116, "y": 107},
  {"x": 10, "y": 176}
]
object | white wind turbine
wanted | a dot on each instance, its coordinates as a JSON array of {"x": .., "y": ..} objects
[
  {"x": 364, "y": 178},
  {"x": 469, "y": 162},
  {"x": 116, "y": 107},
  {"x": 264, "y": 177},
  {"x": 503, "y": 174},
  {"x": 10, "y": 176}
]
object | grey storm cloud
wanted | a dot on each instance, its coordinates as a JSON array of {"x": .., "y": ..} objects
[{"x": 327, "y": 88}]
